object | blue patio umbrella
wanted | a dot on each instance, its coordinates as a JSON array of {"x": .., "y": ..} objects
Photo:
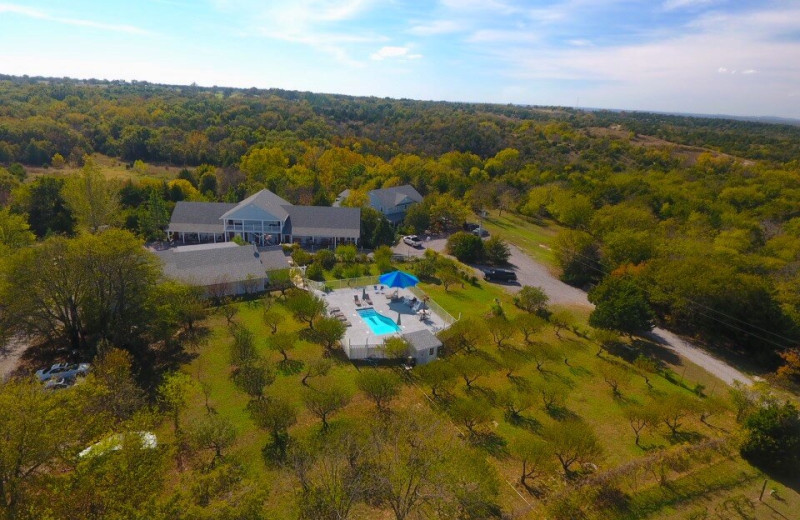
[{"x": 399, "y": 279}]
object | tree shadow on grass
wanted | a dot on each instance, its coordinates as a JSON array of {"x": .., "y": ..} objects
[
  {"x": 682, "y": 437},
  {"x": 520, "y": 383},
  {"x": 290, "y": 367},
  {"x": 528, "y": 423},
  {"x": 492, "y": 443},
  {"x": 579, "y": 371},
  {"x": 561, "y": 413}
]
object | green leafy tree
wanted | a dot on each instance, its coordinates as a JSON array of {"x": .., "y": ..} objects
[
  {"x": 327, "y": 332},
  {"x": 381, "y": 387},
  {"x": 467, "y": 247},
  {"x": 275, "y": 415},
  {"x": 14, "y": 232},
  {"x": 173, "y": 394},
  {"x": 243, "y": 350},
  {"x": 536, "y": 457},
  {"x": 620, "y": 305},
  {"x": 470, "y": 368},
  {"x": 43, "y": 201},
  {"x": 254, "y": 377},
  {"x": 212, "y": 432},
  {"x": 283, "y": 343},
  {"x": 91, "y": 198},
  {"x": 573, "y": 442},
  {"x": 305, "y": 307},
  {"x": 470, "y": 413},
  {"x": 496, "y": 250},
  {"x": 154, "y": 217},
  {"x": 280, "y": 280},
  {"x": 578, "y": 255},
  {"x": 439, "y": 375},
  {"x": 325, "y": 400},
  {"x": 531, "y": 299},
  {"x": 528, "y": 325},
  {"x": 772, "y": 438}
]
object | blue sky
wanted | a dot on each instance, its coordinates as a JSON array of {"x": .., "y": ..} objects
[{"x": 738, "y": 57}]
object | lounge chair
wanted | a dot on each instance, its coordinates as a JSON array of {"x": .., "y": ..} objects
[
  {"x": 367, "y": 300},
  {"x": 356, "y": 300},
  {"x": 334, "y": 309}
]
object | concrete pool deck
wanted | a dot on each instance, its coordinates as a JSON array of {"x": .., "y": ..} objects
[{"x": 359, "y": 335}]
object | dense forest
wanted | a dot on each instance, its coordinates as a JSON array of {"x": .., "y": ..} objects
[{"x": 535, "y": 410}]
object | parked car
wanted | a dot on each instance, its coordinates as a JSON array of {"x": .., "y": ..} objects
[
  {"x": 63, "y": 370},
  {"x": 500, "y": 275},
  {"x": 58, "y": 384},
  {"x": 480, "y": 232},
  {"x": 412, "y": 240},
  {"x": 471, "y": 226}
]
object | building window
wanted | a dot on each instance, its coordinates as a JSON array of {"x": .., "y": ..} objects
[{"x": 430, "y": 352}]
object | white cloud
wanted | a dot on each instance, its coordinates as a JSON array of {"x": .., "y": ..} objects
[
  {"x": 42, "y": 15},
  {"x": 394, "y": 52},
  {"x": 676, "y": 72},
  {"x": 436, "y": 27},
  {"x": 670, "y": 5},
  {"x": 320, "y": 24},
  {"x": 506, "y": 36}
]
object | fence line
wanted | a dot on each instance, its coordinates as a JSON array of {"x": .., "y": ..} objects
[
  {"x": 364, "y": 281},
  {"x": 346, "y": 283},
  {"x": 435, "y": 307}
]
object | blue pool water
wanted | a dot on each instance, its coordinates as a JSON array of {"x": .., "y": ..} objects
[{"x": 379, "y": 323}]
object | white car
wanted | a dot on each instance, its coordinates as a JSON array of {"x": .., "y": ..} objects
[
  {"x": 63, "y": 370},
  {"x": 412, "y": 240}
]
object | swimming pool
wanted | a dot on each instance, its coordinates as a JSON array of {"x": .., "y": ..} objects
[{"x": 379, "y": 323}]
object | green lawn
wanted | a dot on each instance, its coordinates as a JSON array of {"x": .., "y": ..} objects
[
  {"x": 589, "y": 398},
  {"x": 532, "y": 236}
]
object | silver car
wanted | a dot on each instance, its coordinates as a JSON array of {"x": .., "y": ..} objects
[{"x": 63, "y": 370}]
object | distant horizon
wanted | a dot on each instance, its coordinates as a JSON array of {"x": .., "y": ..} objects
[
  {"x": 739, "y": 58},
  {"x": 762, "y": 118}
]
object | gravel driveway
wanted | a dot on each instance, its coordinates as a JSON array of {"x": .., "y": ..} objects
[{"x": 530, "y": 272}]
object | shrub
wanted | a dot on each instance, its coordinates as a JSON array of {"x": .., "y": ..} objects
[
  {"x": 326, "y": 259},
  {"x": 497, "y": 251},
  {"x": 302, "y": 257},
  {"x": 467, "y": 247},
  {"x": 315, "y": 272},
  {"x": 773, "y": 438}
]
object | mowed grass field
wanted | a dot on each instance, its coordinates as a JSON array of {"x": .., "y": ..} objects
[
  {"x": 532, "y": 236},
  {"x": 695, "y": 489},
  {"x": 112, "y": 168}
]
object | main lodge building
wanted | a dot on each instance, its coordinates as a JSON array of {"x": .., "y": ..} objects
[{"x": 264, "y": 219}]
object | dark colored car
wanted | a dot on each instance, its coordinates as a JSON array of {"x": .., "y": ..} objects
[
  {"x": 500, "y": 275},
  {"x": 471, "y": 226}
]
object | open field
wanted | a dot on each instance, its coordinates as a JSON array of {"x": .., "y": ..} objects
[
  {"x": 534, "y": 237},
  {"x": 113, "y": 168}
]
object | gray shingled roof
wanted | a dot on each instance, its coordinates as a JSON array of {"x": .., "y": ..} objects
[
  {"x": 198, "y": 217},
  {"x": 323, "y": 221},
  {"x": 214, "y": 265},
  {"x": 389, "y": 197},
  {"x": 267, "y": 201},
  {"x": 422, "y": 340},
  {"x": 273, "y": 258}
]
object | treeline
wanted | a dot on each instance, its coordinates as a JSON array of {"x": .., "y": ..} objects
[{"x": 189, "y": 125}]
